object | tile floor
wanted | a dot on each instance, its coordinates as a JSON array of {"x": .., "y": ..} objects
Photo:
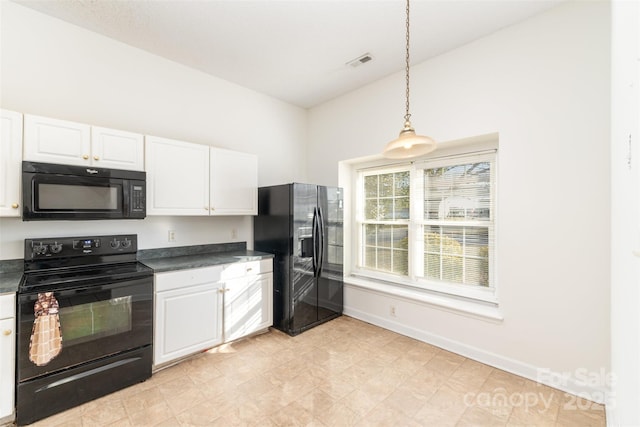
[{"x": 343, "y": 373}]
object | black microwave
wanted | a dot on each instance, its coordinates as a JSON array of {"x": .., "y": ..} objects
[{"x": 64, "y": 192}]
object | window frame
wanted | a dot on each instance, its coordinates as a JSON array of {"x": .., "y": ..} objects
[
  {"x": 416, "y": 222},
  {"x": 362, "y": 221}
]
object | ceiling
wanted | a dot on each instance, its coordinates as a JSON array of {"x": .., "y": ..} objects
[{"x": 296, "y": 51}]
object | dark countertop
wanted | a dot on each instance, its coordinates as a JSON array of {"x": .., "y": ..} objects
[
  {"x": 160, "y": 260},
  {"x": 199, "y": 260},
  {"x": 197, "y": 256},
  {"x": 9, "y": 282},
  {"x": 10, "y": 275}
]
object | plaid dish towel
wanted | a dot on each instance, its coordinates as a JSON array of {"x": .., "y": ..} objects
[{"x": 46, "y": 339}]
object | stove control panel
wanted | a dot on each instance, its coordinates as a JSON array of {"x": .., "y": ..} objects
[
  {"x": 82, "y": 244},
  {"x": 71, "y": 247}
]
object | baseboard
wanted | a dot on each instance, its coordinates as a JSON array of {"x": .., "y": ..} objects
[
  {"x": 7, "y": 421},
  {"x": 569, "y": 385},
  {"x": 612, "y": 416}
]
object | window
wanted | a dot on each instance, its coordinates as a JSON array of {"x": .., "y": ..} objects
[
  {"x": 429, "y": 224},
  {"x": 385, "y": 224}
]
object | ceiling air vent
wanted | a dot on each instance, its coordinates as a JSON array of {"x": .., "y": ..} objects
[{"x": 363, "y": 59}]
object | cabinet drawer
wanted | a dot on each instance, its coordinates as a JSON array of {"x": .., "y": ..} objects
[
  {"x": 7, "y": 306},
  {"x": 184, "y": 278},
  {"x": 241, "y": 269}
]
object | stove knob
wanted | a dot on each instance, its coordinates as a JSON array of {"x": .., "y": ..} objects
[
  {"x": 56, "y": 248},
  {"x": 114, "y": 244},
  {"x": 40, "y": 249},
  {"x": 126, "y": 243}
]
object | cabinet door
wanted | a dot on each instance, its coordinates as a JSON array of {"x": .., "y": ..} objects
[
  {"x": 248, "y": 305},
  {"x": 56, "y": 141},
  {"x": 234, "y": 183},
  {"x": 10, "y": 162},
  {"x": 7, "y": 354},
  {"x": 177, "y": 177},
  {"x": 187, "y": 321},
  {"x": 7, "y": 365},
  {"x": 117, "y": 149}
]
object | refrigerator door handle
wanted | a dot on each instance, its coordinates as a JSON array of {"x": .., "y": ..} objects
[
  {"x": 321, "y": 245},
  {"x": 314, "y": 235}
]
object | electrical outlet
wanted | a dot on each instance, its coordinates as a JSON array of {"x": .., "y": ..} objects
[
  {"x": 171, "y": 236},
  {"x": 392, "y": 310},
  {"x": 234, "y": 233}
]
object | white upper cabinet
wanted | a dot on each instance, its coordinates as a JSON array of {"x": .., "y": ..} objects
[
  {"x": 234, "y": 183},
  {"x": 56, "y": 141},
  {"x": 10, "y": 162},
  {"x": 177, "y": 177},
  {"x": 49, "y": 140},
  {"x": 191, "y": 179},
  {"x": 117, "y": 149}
]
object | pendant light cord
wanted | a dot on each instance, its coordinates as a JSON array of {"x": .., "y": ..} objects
[
  {"x": 408, "y": 145},
  {"x": 407, "y": 116}
]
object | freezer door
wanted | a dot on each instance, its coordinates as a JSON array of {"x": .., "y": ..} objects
[
  {"x": 304, "y": 295},
  {"x": 272, "y": 233},
  {"x": 330, "y": 274}
]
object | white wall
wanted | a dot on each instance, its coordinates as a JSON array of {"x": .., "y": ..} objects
[
  {"x": 55, "y": 69},
  {"x": 152, "y": 231},
  {"x": 543, "y": 85},
  {"x": 625, "y": 208}
]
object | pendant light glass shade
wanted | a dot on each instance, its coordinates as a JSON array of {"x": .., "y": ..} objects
[{"x": 408, "y": 144}]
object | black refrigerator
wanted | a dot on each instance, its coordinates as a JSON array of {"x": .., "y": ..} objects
[{"x": 301, "y": 224}]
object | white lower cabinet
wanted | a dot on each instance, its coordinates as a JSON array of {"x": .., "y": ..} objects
[
  {"x": 7, "y": 355},
  {"x": 188, "y": 313},
  {"x": 197, "y": 309},
  {"x": 248, "y": 301}
]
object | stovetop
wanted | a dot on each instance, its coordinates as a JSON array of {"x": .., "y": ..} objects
[
  {"x": 61, "y": 262},
  {"x": 57, "y": 279}
]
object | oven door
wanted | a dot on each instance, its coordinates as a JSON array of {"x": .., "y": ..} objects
[
  {"x": 52, "y": 196},
  {"x": 95, "y": 320}
]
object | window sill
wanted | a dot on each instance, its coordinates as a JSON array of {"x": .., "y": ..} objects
[{"x": 473, "y": 308}]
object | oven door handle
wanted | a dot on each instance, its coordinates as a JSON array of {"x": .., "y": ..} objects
[
  {"x": 94, "y": 371},
  {"x": 85, "y": 287}
]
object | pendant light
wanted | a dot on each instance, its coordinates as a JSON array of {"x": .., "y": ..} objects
[{"x": 408, "y": 144}]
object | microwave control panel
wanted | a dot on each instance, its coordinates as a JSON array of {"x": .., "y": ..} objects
[{"x": 138, "y": 199}]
